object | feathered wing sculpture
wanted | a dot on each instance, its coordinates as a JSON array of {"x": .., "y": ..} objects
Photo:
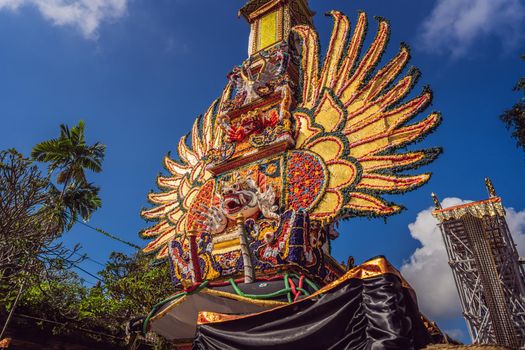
[
  {"x": 353, "y": 120},
  {"x": 348, "y": 125},
  {"x": 175, "y": 209}
]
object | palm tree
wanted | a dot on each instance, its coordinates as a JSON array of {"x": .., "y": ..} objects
[
  {"x": 70, "y": 154},
  {"x": 71, "y": 157}
]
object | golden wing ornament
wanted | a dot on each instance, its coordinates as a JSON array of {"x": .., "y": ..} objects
[
  {"x": 349, "y": 123},
  {"x": 188, "y": 185}
]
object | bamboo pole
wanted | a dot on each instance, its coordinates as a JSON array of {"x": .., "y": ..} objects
[
  {"x": 13, "y": 307},
  {"x": 249, "y": 274}
]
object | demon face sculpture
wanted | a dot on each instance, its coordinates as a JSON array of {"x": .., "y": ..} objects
[{"x": 241, "y": 197}]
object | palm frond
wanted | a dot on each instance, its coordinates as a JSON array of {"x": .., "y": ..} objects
[
  {"x": 77, "y": 133},
  {"x": 64, "y": 131},
  {"x": 82, "y": 199}
]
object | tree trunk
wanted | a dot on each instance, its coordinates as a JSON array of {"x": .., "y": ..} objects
[{"x": 12, "y": 311}]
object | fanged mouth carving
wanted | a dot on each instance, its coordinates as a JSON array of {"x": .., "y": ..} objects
[{"x": 233, "y": 203}]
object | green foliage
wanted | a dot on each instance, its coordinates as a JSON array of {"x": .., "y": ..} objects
[
  {"x": 129, "y": 288},
  {"x": 23, "y": 221},
  {"x": 57, "y": 298},
  {"x": 514, "y": 118},
  {"x": 132, "y": 280}
]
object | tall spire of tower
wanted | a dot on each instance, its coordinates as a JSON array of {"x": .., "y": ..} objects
[
  {"x": 437, "y": 204},
  {"x": 490, "y": 187},
  {"x": 272, "y": 20}
]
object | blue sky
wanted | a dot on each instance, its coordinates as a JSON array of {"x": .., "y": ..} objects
[{"x": 139, "y": 72}]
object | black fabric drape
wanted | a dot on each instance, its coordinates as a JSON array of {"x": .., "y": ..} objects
[{"x": 375, "y": 313}]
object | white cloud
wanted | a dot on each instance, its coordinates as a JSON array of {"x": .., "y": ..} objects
[
  {"x": 455, "y": 25},
  {"x": 516, "y": 222},
  {"x": 455, "y": 333},
  {"x": 85, "y": 15},
  {"x": 428, "y": 271}
]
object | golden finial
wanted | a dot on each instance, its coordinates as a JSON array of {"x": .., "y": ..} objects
[
  {"x": 350, "y": 262},
  {"x": 437, "y": 205},
  {"x": 490, "y": 187}
]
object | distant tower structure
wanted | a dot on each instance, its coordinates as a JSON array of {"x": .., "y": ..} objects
[{"x": 487, "y": 269}]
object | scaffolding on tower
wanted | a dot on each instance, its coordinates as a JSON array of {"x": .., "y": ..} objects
[{"x": 487, "y": 269}]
